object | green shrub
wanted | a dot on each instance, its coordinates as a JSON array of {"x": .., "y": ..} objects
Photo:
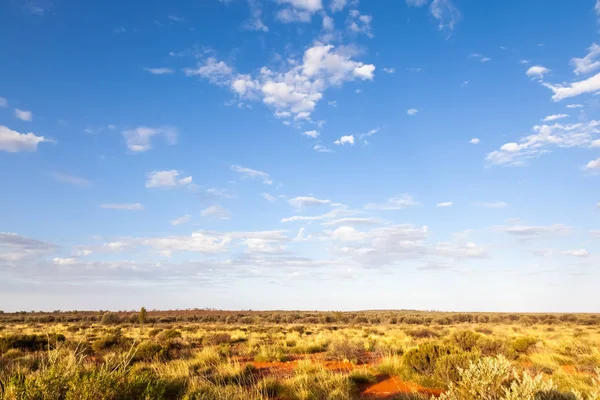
[
  {"x": 491, "y": 346},
  {"x": 464, "y": 340},
  {"x": 30, "y": 342},
  {"x": 110, "y": 318},
  {"x": 213, "y": 339},
  {"x": 522, "y": 344},
  {"x": 447, "y": 367},
  {"x": 422, "y": 333},
  {"x": 150, "y": 351},
  {"x": 108, "y": 342},
  {"x": 168, "y": 334},
  {"x": 422, "y": 359}
]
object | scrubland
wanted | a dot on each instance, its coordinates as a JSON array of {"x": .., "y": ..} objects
[{"x": 208, "y": 354}]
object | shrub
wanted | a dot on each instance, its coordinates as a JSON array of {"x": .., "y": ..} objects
[
  {"x": 216, "y": 338},
  {"x": 346, "y": 350},
  {"x": 491, "y": 346},
  {"x": 168, "y": 334},
  {"x": 110, "y": 318},
  {"x": 268, "y": 353},
  {"x": 153, "y": 332},
  {"x": 422, "y": 359},
  {"x": 422, "y": 333},
  {"x": 107, "y": 342},
  {"x": 464, "y": 340},
  {"x": 522, "y": 344},
  {"x": 30, "y": 342},
  {"x": 150, "y": 351},
  {"x": 447, "y": 367}
]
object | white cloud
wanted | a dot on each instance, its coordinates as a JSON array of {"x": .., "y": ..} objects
[
  {"x": 475, "y": 141},
  {"x": 269, "y": 197},
  {"x": 554, "y": 117},
  {"x": 558, "y": 135},
  {"x": 577, "y": 253},
  {"x": 446, "y": 13},
  {"x": 416, "y": 3},
  {"x": 574, "y": 105},
  {"x": 160, "y": 71},
  {"x": 138, "y": 139},
  {"x": 123, "y": 206},
  {"x": 337, "y": 5},
  {"x": 444, "y": 204},
  {"x": 14, "y": 142},
  {"x": 181, "y": 220},
  {"x": 312, "y": 134},
  {"x": 353, "y": 221},
  {"x": 255, "y": 22},
  {"x": 309, "y": 5},
  {"x": 328, "y": 24},
  {"x": 295, "y": 92},
  {"x": 588, "y": 63},
  {"x": 216, "y": 211},
  {"x": 252, "y": 173},
  {"x": 319, "y": 148},
  {"x": 358, "y": 23},
  {"x": 166, "y": 179},
  {"x": 14, "y": 247},
  {"x": 217, "y": 72},
  {"x": 3, "y": 102},
  {"x": 412, "y": 111},
  {"x": 594, "y": 164},
  {"x": 525, "y": 62},
  {"x": 338, "y": 212},
  {"x": 289, "y": 15},
  {"x": 70, "y": 179},
  {"x": 465, "y": 83},
  {"x": 532, "y": 231},
  {"x": 395, "y": 203},
  {"x": 23, "y": 115},
  {"x": 537, "y": 71},
  {"x": 479, "y": 57},
  {"x": 349, "y": 139},
  {"x": 494, "y": 204},
  {"x": 389, "y": 70},
  {"x": 565, "y": 91},
  {"x": 307, "y": 201},
  {"x": 63, "y": 261}
]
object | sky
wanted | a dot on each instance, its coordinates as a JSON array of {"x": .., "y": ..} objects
[{"x": 300, "y": 154}]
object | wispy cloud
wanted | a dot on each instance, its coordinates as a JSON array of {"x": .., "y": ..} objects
[
  {"x": 70, "y": 179},
  {"x": 123, "y": 206},
  {"x": 252, "y": 173}
]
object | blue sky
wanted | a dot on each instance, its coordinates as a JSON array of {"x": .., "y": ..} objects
[{"x": 300, "y": 154}]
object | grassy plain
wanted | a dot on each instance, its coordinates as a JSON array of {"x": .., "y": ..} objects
[{"x": 208, "y": 354}]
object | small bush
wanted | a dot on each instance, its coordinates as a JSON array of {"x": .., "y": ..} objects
[
  {"x": 464, "y": 340},
  {"x": 422, "y": 333},
  {"x": 423, "y": 359},
  {"x": 213, "y": 339},
  {"x": 522, "y": 344},
  {"x": 150, "y": 351},
  {"x": 110, "y": 318},
  {"x": 168, "y": 334},
  {"x": 268, "y": 353},
  {"x": 447, "y": 367},
  {"x": 346, "y": 350}
]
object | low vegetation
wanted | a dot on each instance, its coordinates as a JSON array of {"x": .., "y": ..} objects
[{"x": 207, "y": 354}]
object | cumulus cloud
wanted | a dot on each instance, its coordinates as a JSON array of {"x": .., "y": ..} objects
[
  {"x": 444, "y": 204},
  {"x": 216, "y": 211},
  {"x": 395, "y": 203},
  {"x": 122, "y": 206},
  {"x": 160, "y": 71},
  {"x": 14, "y": 142},
  {"x": 544, "y": 137},
  {"x": 23, "y": 115},
  {"x": 311, "y": 134},
  {"x": 319, "y": 148},
  {"x": 181, "y": 220},
  {"x": 166, "y": 179},
  {"x": 64, "y": 261},
  {"x": 574, "y": 105},
  {"x": 337, "y": 5},
  {"x": 3, "y": 102},
  {"x": 358, "y": 23},
  {"x": 537, "y": 71},
  {"x": 412, "y": 111},
  {"x": 294, "y": 91},
  {"x": 565, "y": 91},
  {"x": 252, "y": 173},
  {"x": 349, "y": 139},
  {"x": 474, "y": 141},
  {"x": 589, "y": 63},
  {"x": 138, "y": 140},
  {"x": 594, "y": 164},
  {"x": 389, "y": 70},
  {"x": 307, "y": 201},
  {"x": 255, "y": 22}
]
